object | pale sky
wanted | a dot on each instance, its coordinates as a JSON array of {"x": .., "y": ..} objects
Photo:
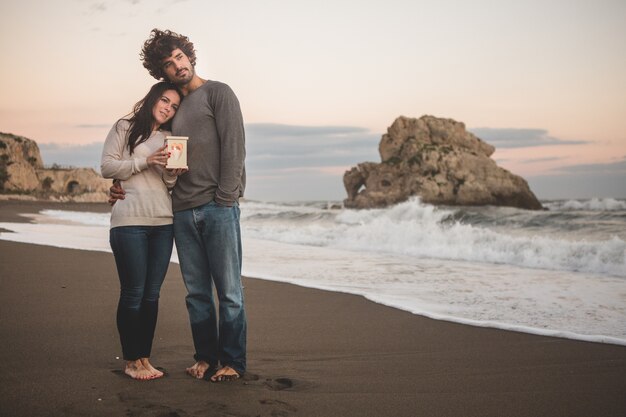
[{"x": 320, "y": 81}]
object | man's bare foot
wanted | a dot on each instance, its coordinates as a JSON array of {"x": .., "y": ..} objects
[
  {"x": 198, "y": 369},
  {"x": 225, "y": 374},
  {"x": 136, "y": 370},
  {"x": 155, "y": 372}
]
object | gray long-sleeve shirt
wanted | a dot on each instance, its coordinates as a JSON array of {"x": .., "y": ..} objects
[{"x": 211, "y": 117}]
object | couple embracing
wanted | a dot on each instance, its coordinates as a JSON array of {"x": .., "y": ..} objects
[{"x": 197, "y": 208}]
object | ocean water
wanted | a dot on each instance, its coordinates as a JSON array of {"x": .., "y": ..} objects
[{"x": 559, "y": 272}]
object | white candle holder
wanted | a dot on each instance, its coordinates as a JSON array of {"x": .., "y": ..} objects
[{"x": 177, "y": 148}]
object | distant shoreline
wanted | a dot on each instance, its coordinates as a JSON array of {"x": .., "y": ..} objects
[{"x": 10, "y": 209}]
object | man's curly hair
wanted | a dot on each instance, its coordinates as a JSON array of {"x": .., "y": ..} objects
[{"x": 159, "y": 46}]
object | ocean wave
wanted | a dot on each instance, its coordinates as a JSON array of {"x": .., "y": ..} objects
[
  {"x": 421, "y": 230},
  {"x": 531, "y": 239},
  {"x": 595, "y": 204}
]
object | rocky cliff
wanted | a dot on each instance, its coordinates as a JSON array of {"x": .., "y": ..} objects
[
  {"x": 439, "y": 161},
  {"x": 19, "y": 161},
  {"x": 22, "y": 171}
]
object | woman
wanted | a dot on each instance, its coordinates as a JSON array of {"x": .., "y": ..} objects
[{"x": 141, "y": 234}]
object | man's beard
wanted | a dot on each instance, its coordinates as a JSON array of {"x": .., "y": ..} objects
[{"x": 187, "y": 78}]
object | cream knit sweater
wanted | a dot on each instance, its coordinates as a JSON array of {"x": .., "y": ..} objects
[{"x": 148, "y": 201}]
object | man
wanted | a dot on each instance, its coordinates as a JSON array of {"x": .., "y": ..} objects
[{"x": 206, "y": 209}]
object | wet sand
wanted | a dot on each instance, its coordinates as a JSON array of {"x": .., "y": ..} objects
[{"x": 310, "y": 352}]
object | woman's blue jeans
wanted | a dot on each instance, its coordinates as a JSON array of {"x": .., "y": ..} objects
[
  {"x": 142, "y": 255},
  {"x": 208, "y": 242}
]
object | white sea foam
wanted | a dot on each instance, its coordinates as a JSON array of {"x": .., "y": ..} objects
[
  {"x": 78, "y": 217},
  {"x": 572, "y": 305},
  {"x": 595, "y": 204},
  {"x": 421, "y": 230},
  {"x": 578, "y": 305}
]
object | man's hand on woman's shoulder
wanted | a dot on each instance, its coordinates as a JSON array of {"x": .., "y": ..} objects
[{"x": 116, "y": 192}]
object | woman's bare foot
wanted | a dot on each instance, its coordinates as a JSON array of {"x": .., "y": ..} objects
[
  {"x": 198, "y": 369},
  {"x": 136, "y": 370},
  {"x": 155, "y": 372}
]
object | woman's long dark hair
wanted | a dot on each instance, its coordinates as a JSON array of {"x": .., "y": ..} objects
[{"x": 141, "y": 118}]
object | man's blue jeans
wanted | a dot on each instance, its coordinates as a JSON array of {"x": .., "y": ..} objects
[
  {"x": 142, "y": 255},
  {"x": 208, "y": 241}
]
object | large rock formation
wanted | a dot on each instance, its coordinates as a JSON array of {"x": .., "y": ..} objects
[
  {"x": 19, "y": 161},
  {"x": 22, "y": 171},
  {"x": 439, "y": 161}
]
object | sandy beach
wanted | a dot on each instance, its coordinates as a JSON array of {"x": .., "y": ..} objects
[{"x": 310, "y": 352}]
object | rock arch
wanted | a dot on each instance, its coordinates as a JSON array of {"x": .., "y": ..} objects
[{"x": 72, "y": 187}]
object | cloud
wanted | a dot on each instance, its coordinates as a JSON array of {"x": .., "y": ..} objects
[
  {"x": 291, "y": 163},
  {"x": 280, "y": 130},
  {"x": 536, "y": 160},
  {"x": 102, "y": 6},
  {"x": 519, "y": 138},
  {"x": 99, "y": 7},
  {"x": 608, "y": 168},
  {"x": 582, "y": 181},
  {"x": 72, "y": 155},
  {"x": 321, "y": 170},
  {"x": 276, "y": 146},
  {"x": 569, "y": 186},
  {"x": 501, "y": 161}
]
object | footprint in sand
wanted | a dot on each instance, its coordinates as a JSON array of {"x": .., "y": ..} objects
[
  {"x": 280, "y": 408},
  {"x": 278, "y": 384}
]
